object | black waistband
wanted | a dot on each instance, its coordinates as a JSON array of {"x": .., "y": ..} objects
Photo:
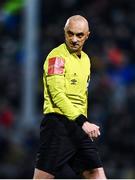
[{"x": 55, "y": 115}]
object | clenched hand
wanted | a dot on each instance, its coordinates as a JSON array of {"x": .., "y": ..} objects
[{"x": 91, "y": 130}]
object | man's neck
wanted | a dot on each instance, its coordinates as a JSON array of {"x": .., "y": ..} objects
[{"x": 78, "y": 53}]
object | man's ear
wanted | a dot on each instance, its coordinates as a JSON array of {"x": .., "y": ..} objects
[{"x": 87, "y": 35}]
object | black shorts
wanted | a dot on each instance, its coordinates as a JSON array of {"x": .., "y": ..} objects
[{"x": 64, "y": 142}]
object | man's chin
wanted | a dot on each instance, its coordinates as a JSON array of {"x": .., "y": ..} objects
[{"x": 74, "y": 49}]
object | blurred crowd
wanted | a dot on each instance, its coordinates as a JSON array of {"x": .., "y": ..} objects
[{"x": 111, "y": 49}]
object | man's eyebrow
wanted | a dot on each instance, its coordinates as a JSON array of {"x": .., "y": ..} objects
[
  {"x": 70, "y": 32},
  {"x": 81, "y": 33},
  {"x": 78, "y": 34}
]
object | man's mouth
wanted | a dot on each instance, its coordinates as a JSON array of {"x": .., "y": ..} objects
[{"x": 74, "y": 45}]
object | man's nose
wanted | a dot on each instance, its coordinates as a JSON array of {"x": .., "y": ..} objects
[{"x": 74, "y": 39}]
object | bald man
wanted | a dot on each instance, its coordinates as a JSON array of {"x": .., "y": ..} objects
[{"x": 66, "y": 135}]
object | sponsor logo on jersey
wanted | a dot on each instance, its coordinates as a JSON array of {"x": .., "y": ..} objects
[{"x": 73, "y": 81}]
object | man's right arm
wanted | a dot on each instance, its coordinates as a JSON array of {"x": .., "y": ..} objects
[{"x": 54, "y": 74}]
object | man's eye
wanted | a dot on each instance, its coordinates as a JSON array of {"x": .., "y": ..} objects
[
  {"x": 70, "y": 33},
  {"x": 80, "y": 35}
]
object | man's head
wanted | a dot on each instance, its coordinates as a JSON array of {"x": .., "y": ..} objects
[{"x": 76, "y": 32}]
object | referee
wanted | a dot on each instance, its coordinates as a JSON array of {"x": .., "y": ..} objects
[{"x": 66, "y": 135}]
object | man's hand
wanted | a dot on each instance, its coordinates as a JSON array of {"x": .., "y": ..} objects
[{"x": 91, "y": 129}]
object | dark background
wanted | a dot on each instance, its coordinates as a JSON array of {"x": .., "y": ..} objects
[{"x": 111, "y": 48}]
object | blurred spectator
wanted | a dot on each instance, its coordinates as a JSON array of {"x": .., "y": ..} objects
[{"x": 6, "y": 115}]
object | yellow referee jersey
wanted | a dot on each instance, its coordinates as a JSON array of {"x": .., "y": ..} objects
[{"x": 66, "y": 78}]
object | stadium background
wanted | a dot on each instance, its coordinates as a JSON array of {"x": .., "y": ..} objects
[{"x": 111, "y": 47}]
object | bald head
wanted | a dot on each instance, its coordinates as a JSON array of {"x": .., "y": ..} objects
[
  {"x": 76, "y": 33},
  {"x": 79, "y": 21}
]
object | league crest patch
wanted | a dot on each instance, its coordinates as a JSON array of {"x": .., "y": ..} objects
[{"x": 56, "y": 66}]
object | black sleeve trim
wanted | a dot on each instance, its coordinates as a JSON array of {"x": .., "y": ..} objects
[{"x": 81, "y": 119}]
